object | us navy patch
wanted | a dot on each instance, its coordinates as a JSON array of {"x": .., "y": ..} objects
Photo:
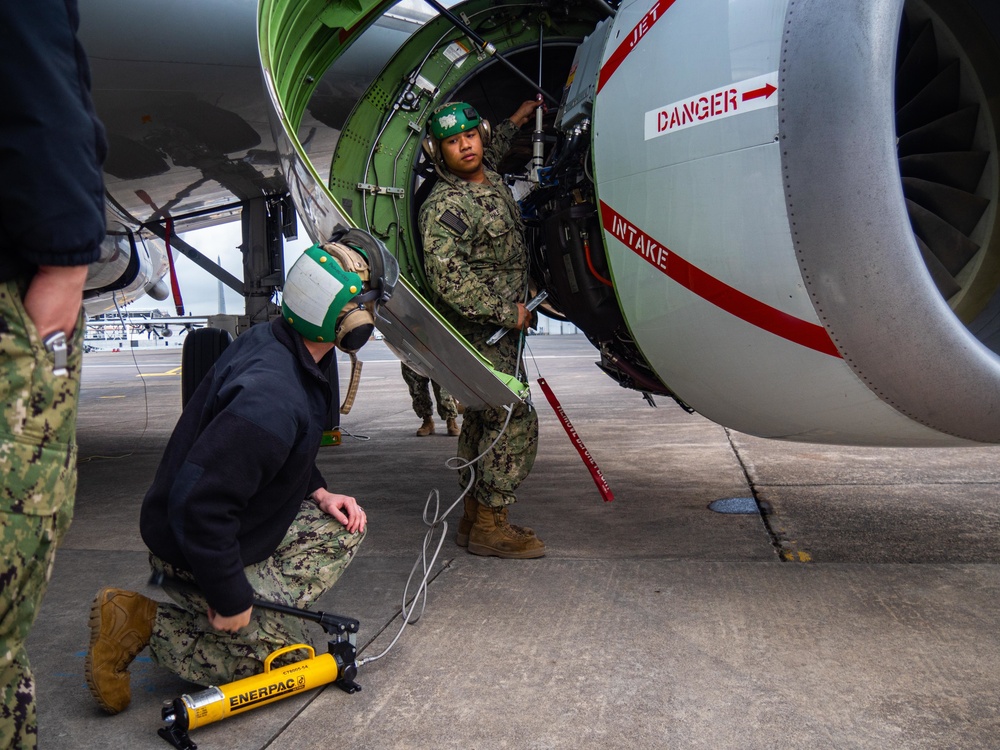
[{"x": 454, "y": 223}]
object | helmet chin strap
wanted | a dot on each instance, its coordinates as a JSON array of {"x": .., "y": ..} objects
[
  {"x": 344, "y": 329},
  {"x": 352, "y": 387}
]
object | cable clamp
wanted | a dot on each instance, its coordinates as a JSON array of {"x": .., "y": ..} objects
[{"x": 367, "y": 187}]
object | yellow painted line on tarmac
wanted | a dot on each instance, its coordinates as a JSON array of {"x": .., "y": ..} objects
[
  {"x": 111, "y": 396},
  {"x": 797, "y": 556},
  {"x": 788, "y": 549},
  {"x": 175, "y": 371}
]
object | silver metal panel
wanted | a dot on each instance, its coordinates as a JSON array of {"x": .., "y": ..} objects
[
  {"x": 431, "y": 348},
  {"x": 579, "y": 100},
  {"x": 853, "y": 236},
  {"x": 712, "y": 193},
  {"x": 729, "y": 370},
  {"x": 696, "y": 47}
]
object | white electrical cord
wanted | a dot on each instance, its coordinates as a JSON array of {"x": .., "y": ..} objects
[{"x": 435, "y": 521}]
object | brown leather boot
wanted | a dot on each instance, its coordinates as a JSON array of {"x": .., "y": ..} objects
[
  {"x": 427, "y": 428},
  {"x": 469, "y": 518},
  {"x": 121, "y": 623},
  {"x": 492, "y": 535},
  {"x": 453, "y": 428}
]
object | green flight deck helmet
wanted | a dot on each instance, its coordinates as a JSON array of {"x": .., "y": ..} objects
[
  {"x": 320, "y": 296},
  {"x": 451, "y": 119}
]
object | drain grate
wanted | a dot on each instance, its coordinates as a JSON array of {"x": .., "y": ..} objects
[{"x": 735, "y": 506}]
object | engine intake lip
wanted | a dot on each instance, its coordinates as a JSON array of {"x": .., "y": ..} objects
[{"x": 848, "y": 217}]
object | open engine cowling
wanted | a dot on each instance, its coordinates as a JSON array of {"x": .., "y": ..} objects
[
  {"x": 780, "y": 212},
  {"x": 789, "y": 296}
]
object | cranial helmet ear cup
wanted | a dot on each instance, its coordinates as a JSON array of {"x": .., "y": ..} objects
[
  {"x": 485, "y": 132},
  {"x": 430, "y": 147},
  {"x": 355, "y": 322},
  {"x": 354, "y": 329}
]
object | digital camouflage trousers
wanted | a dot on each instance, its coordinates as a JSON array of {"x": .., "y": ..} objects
[
  {"x": 38, "y": 466},
  {"x": 310, "y": 559},
  {"x": 500, "y": 472},
  {"x": 421, "y": 397}
]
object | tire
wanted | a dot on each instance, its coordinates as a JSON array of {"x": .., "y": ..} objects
[{"x": 202, "y": 348}]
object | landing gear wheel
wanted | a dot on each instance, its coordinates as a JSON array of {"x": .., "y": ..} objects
[{"x": 202, "y": 348}]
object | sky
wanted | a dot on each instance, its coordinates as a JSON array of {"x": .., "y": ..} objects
[{"x": 200, "y": 290}]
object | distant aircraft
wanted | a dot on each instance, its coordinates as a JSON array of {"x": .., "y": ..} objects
[
  {"x": 132, "y": 324},
  {"x": 781, "y": 213}
]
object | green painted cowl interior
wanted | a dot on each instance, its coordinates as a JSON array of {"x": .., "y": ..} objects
[{"x": 379, "y": 145}]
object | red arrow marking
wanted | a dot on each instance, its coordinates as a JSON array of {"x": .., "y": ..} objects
[
  {"x": 764, "y": 91},
  {"x": 711, "y": 289}
]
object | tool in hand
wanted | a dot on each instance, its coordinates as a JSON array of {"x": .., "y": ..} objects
[
  {"x": 213, "y": 704},
  {"x": 531, "y": 305}
]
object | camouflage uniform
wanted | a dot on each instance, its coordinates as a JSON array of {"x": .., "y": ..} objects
[
  {"x": 314, "y": 553},
  {"x": 38, "y": 465},
  {"x": 477, "y": 266},
  {"x": 421, "y": 397}
]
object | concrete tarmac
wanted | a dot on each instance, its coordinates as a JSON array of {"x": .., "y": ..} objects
[{"x": 858, "y": 610}]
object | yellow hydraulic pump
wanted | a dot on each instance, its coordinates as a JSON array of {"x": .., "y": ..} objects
[{"x": 216, "y": 703}]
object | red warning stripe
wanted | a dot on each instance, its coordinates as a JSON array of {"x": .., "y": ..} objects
[
  {"x": 715, "y": 291},
  {"x": 653, "y": 15}
]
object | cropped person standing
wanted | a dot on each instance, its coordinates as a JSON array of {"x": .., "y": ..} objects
[
  {"x": 420, "y": 396},
  {"x": 52, "y": 147},
  {"x": 477, "y": 265}
]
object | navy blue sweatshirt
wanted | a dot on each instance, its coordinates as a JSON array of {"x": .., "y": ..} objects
[
  {"x": 239, "y": 463},
  {"x": 52, "y": 145}
]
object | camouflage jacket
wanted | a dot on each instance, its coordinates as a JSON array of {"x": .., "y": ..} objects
[{"x": 474, "y": 253}]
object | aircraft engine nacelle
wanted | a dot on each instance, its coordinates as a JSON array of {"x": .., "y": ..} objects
[
  {"x": 799, "y": 210},
  {"x": 782, "y": 213},
  {"x": 128, "y": 268}
]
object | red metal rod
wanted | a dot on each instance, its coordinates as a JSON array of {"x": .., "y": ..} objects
[{"x": 588, "y": 460}]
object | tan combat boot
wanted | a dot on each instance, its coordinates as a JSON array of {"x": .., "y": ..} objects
[
  {"x": 121, "y": 623},
  {"x": 453, "y": 428},
  {"x": 492, "y": 535},
  {"x": 427, "y": 428},
  {"x": 469, "y": 517}
]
